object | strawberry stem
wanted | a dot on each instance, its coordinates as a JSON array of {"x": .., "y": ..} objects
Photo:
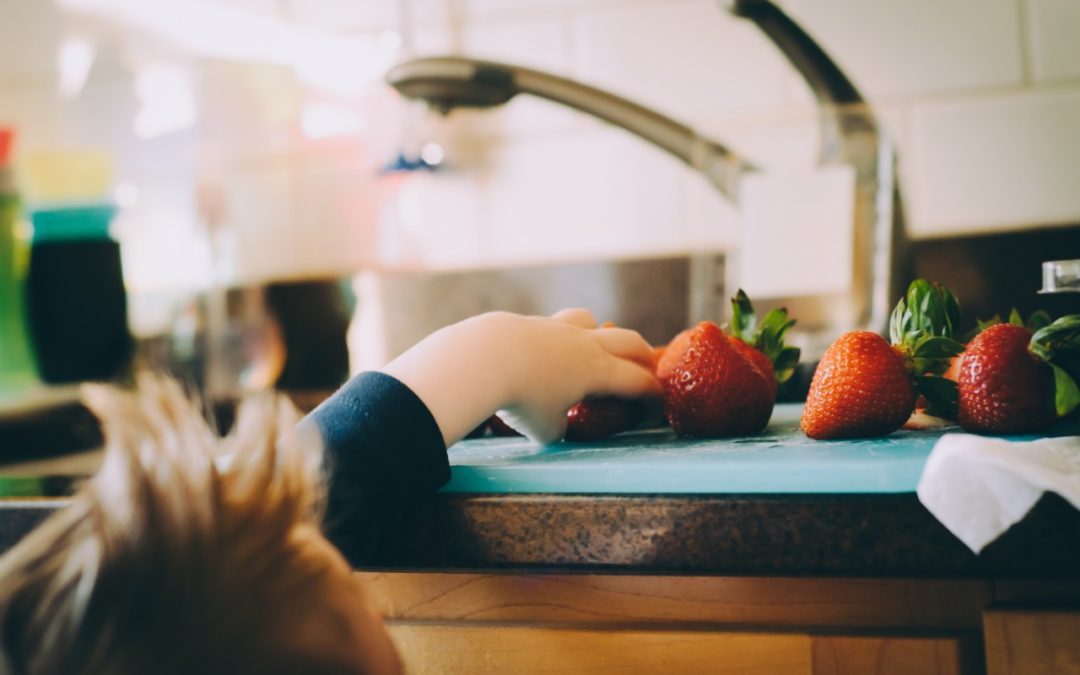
[
  {"x": 941, "y": 395},
  {"x": 923, "y": 328},
  {"x": 1037, "y": 320},
  {"x": 768, "y": 337}
]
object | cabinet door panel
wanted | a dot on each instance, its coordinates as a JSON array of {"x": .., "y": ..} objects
[
  {"x": 843, "y": 655},
  {"x": 883, "y": 605},
  {"x": 477, "y": 649},
  {"x": 1032, "y": 642},
  {"x": 452, "y": 648}
]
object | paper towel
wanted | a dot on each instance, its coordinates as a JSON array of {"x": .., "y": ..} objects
[{"x": 978, "y": 487}]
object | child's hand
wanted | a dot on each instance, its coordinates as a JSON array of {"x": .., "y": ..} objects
[{"x": 532, "y": 368}]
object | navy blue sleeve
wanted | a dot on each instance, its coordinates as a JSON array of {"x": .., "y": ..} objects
[{"x": 384, "y": 453}]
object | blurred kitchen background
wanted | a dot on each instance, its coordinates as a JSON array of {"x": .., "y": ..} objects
[{"x": 272, "y": 192}]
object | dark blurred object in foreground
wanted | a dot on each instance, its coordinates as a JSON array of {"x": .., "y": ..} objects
[
  {"x": 314, "y": 318},
  {"x": 75, "y": 296}
]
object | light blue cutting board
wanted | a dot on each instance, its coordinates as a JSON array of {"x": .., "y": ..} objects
[{"x": 779, "y": 460}]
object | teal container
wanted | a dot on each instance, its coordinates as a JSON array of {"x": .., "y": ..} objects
[
  {"x": 76, "y": 301},
  {"x": 72, "y": 223}
]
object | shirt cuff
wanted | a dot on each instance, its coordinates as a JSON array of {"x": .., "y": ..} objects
[{"x": 383, "y": 454}]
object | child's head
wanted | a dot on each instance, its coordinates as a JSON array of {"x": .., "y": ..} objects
[{"x": 169, "y": 562}]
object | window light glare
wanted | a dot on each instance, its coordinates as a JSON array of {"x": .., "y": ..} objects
[
  {"x": 74, "y": 59},
  {"x": 166, "y": 100},
  {"x": 126, "y": 194},
  {"x": 324, "y": 120},
  {"x": 432, "y": 154}
]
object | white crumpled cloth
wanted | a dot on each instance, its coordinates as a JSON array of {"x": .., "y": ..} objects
[{"x": 978, "y": 486}]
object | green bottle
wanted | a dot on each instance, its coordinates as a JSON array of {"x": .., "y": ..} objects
[{"x": 17, "y": 367}]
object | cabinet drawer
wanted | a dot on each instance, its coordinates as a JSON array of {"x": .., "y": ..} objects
[{"x": 477, "y": 648}]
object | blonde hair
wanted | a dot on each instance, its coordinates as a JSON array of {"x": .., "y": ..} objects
[{"x": 184, "y": 554}]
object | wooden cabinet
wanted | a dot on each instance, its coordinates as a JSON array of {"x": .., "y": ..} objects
[
  {"x": 450, "y": 649},
  {"x": 583, "y": 623},
  {"x": 457, "y": 649},
  {"x": 512, "y": 623},
  {"x": 1030, "y": 642},
  {"x": 848, "y": 655}
]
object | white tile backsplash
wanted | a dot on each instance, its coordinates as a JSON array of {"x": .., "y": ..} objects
[
  {"x": 431, "y": 219},
  {"x": 495, "y": 8},
  {"x": 681, "y": 58},
  {"x": 260, "y": 215},
  {"x": 516, "y": 42},
  {"x": 582, "y": 196},
  {"x": 770, "y": 141},
  {"x": 917, "y": 47},
  {"x": 266, "y": 8},
  {"x": 339, "y": 17},
  {"x": 334, "y": 224},
  {"x": 998, "y": 162},
  {"x": 434, "y": 39},
  {"x": 1054, "y": 39},
  {"x": 791, "y": 216},
  {"x": 162, "y": 241},
  {"x": 711, "y": 221},
  {"x": 983, "y": 97}
]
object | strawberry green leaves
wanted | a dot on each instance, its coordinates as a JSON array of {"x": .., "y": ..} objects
[
  {"x": 929, "y": 313},
  {"x": 923, "y": 327},
  {"x": 1037, "y": 320},
  {"x": 743, "y": 319},
  {"x": 1059, "y": 345},
  {"x": 768, "y": 338},
  {"x": 941, "y": 395},
  {"x": 1066, "y": 393},
  {"x": 927, "y": 309},
  {"x": 932, "y": 355}
]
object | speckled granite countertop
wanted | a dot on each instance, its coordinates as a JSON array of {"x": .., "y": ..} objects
[
  {"x": 862, "y": 526},
  {"x": 883, "y": 535},
  {"x": 767, "y": 535}
]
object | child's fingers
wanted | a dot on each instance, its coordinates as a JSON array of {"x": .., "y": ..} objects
[
  {"x": 543, "y": 428},
  {"x": 628, "y": 379},
  {"x": 550, "y": 430},
  {"x": 627, "y": 344},
  {"x": 577, "y": 316}
]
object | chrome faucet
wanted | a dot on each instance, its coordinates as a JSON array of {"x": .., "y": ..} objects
[
  {"x": 1061, "y": 276},
  {"x": 449, "y": 82},
  {"x": 849, "y": 134}
]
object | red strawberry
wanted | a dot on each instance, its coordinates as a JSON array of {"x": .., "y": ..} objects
[
  {"x": 753, "y": 351},
  {"x": 596, "y": 418},
  {"x": 758, "y": 359},
  {"x": 670, "y": 356},
  {"x": 1003, "y": 387},
  {"x": 715, "y": 390},
  {"x": 1036, "y": 321},
  {"x": 861, "y": 387},
  {"x": 953, "y": 371},
  {"x": 763, "y": 343},
  {"x": 1014, "y": 380},
  {"x": 865, "y": 386}
]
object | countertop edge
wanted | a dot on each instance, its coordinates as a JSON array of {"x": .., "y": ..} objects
[{"x": 843, "y": 535}]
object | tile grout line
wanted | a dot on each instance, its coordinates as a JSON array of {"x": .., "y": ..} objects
[{"x": 1023, "y": 11}]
